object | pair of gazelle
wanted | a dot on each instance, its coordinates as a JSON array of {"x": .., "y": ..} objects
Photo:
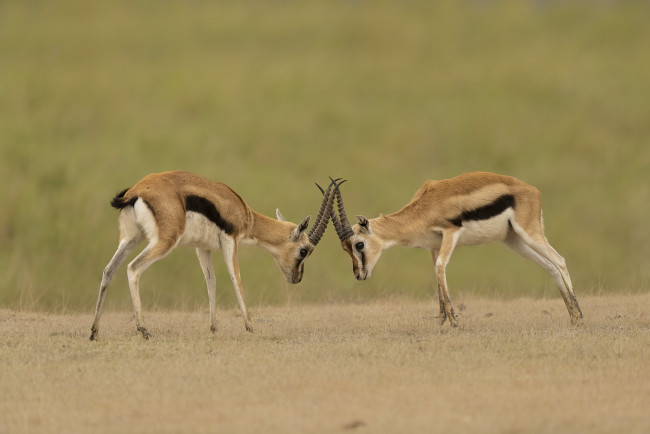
[{"x": 172, "y": 209}]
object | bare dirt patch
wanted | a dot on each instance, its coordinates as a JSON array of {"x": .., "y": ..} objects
[{"x": 512, "y": 366}]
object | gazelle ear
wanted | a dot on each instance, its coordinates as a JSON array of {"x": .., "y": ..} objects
[
  {"x": 295, "y": 233},
  {"x": 279, "y": 215},
  {"x": 364, "y": 223}
]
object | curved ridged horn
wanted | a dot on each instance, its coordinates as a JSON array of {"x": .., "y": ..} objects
[
  {"x": 323, "y": 216},
  {"x": 335, "y": 218},
  {"x": 342, "y": 226}
]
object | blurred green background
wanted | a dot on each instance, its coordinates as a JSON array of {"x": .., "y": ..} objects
[{"x": 272, "y": 96}]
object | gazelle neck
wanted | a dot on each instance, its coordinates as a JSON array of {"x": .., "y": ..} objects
[
  {"x": 268, "y": 232},
  {"x": 398, "y": 230}
]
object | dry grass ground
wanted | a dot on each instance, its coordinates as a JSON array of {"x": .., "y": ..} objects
[{"x": 512, "y": 366}]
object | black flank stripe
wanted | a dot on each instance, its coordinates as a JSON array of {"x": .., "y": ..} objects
[
  {"x": 495, "y": 208},
  {"x": 207, "y": 208}
]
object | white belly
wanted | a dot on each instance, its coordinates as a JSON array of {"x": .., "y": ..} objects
[
  {"x": 200, "y": 232},
  {"x": 483, "y": 231}
]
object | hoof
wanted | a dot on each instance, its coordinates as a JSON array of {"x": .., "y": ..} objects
[
  {"x": 452, "y": 318},
  {"x": 249, "y": 328},
  {"x": 145, "y": 333},
  {"x": 453, "y": 322},
  {"x": 93, "y": 335},
  {"x": 213, "y": 328}
]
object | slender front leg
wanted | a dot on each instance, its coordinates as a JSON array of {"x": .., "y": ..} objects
[
  {"x": 205, "y": 258},
  {"x": 449, "y": 239},
  {"x": 443, "y": 313},
  {"x": 229, "y": 247}
]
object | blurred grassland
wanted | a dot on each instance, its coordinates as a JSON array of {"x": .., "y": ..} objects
[{"x": 272, "y": 96}]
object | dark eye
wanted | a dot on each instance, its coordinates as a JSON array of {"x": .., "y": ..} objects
[
  {"x": 359, "y": 246},
  {"x": 303, "y": 252}
]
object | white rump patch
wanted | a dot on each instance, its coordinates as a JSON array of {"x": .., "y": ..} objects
[{"x": 145, "y": 220}]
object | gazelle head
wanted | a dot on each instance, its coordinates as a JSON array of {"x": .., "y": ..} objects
[
  {"x": 363, "y": 246},
  {"x": 291, "y": 253}
]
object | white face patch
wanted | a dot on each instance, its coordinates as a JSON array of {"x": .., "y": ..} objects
[{"x": 364, "y": 259}]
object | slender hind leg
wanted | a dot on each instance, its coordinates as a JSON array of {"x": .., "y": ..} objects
[
  {"x": 544, "y": 255},
  {"x": 205, "y": 258},
  {"x": 154, "y": 251},
  {"x": 123, "y": 250},
  {"x": 561, "y": 264}
]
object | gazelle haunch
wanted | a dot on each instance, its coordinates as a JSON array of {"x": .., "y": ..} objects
[
  {"x": 173, "y": 209},
  {"x": 470, "y": 209}
]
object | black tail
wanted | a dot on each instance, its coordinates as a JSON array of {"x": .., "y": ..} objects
[{"x": 120, "y": 201}]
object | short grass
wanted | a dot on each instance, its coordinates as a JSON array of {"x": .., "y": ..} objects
[
  {"x": 270, "y": 97},
  {"x": 513, "y": 366}
]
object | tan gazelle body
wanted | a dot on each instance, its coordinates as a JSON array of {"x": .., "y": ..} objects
[
  {"x": 172, "y": 209},
  {"x": 470, "y": 209}
]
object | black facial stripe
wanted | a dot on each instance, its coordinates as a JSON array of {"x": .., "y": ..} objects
[
  {"x": 207, "y": 208},
  {"x": 363, "y": 260},
  {"x": 301, "y": 259},
  {"x": 485, "y": 212}
]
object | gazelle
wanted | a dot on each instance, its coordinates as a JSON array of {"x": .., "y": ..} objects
[
  {"x": 173, "y": 209},
  {"x": 470, "y": 209}
]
